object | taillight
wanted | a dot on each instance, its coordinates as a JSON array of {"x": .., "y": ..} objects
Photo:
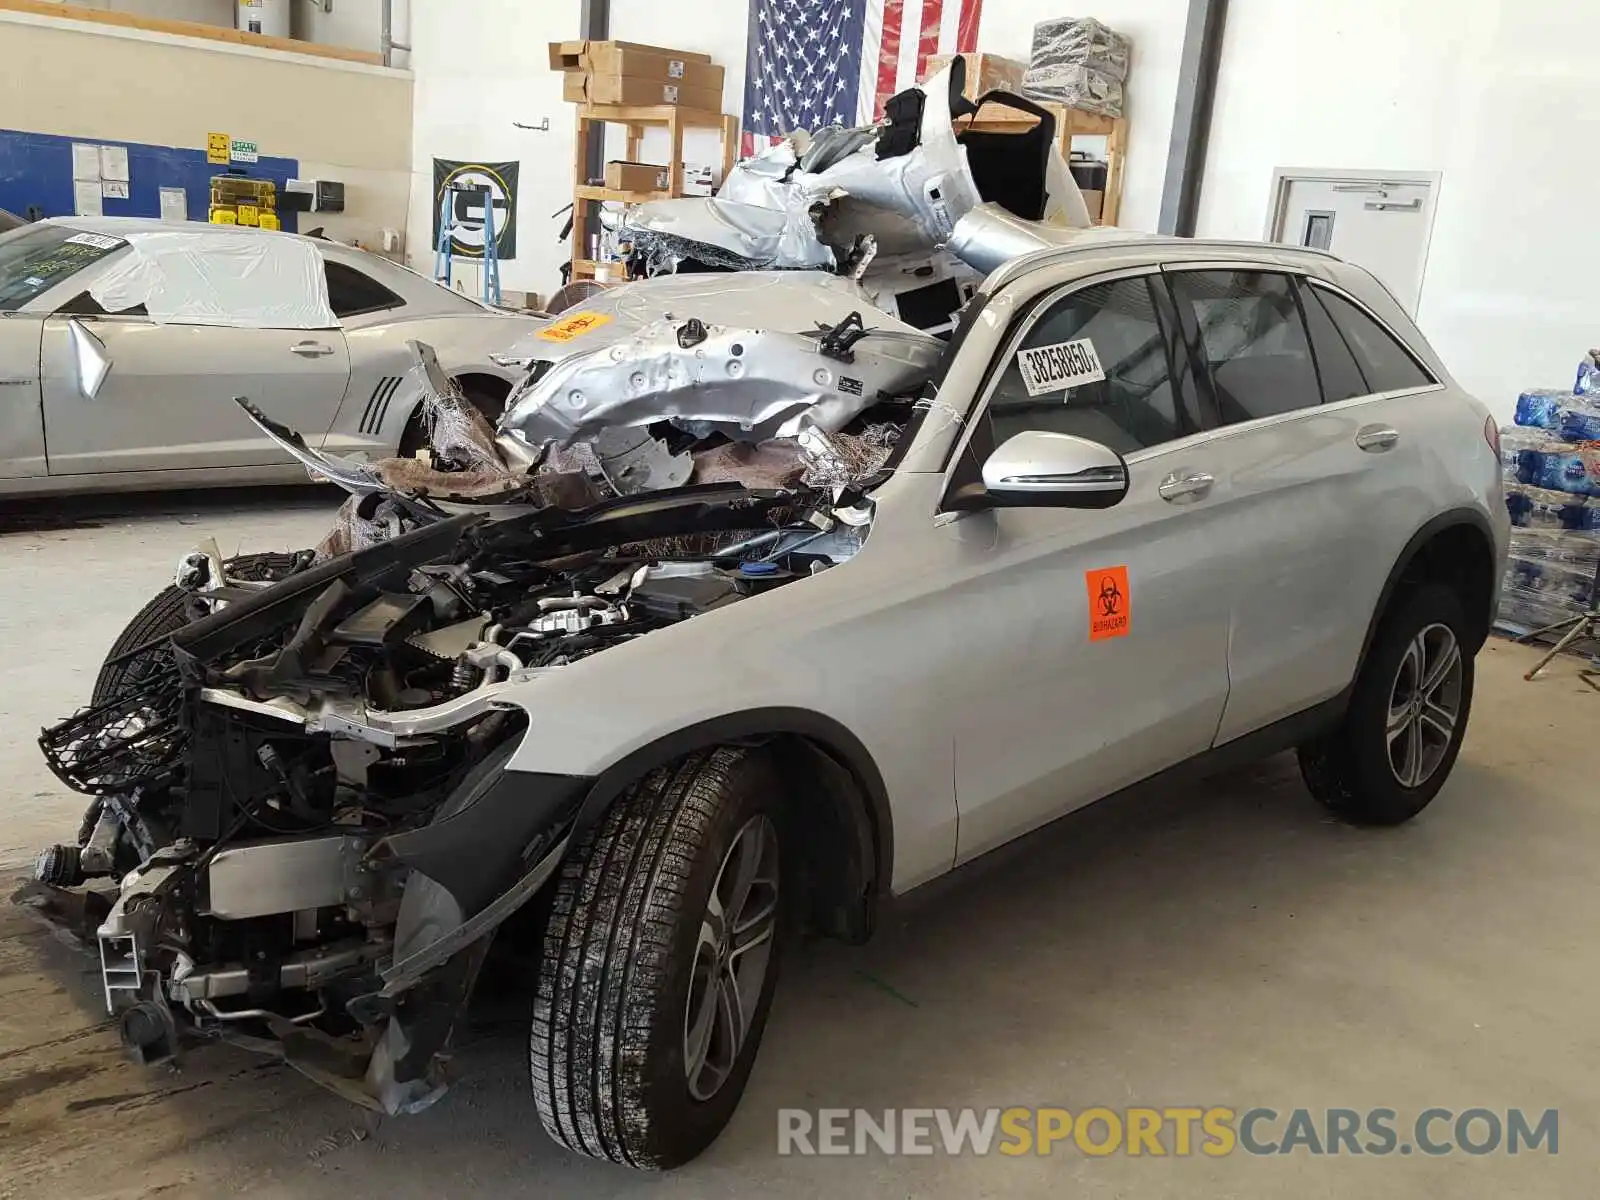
[{"x": 1491, "y": 434}]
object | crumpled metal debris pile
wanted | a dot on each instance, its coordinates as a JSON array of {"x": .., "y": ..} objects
[
  {"x": 776, "y": 336},
  {"x": 911, "y": 208}
]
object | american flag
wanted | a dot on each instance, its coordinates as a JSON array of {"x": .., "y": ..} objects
[{"x": 815, "y": 63}]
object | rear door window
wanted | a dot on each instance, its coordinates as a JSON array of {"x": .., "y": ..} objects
[
  {"x": 1387, "y": 365},
  {"x": 352, "y": 293},
  {"x": 1253, "y": 345}
]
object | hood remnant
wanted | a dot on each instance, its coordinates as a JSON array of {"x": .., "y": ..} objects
[{"x": 741, "y": 383}]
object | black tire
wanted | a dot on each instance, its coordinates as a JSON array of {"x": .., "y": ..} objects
[
  {"x": 168, "y": 611},
  {"x": 622, "y": 943},
  {"x": 1349, "y": 770}
]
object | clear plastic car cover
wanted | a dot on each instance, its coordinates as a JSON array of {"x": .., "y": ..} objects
[
  {"x": 1080, "y": 63},
  {"x": 231, "y": 278}
]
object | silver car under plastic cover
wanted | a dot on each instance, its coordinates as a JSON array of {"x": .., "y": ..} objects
[{"x": 748, "y": 384}]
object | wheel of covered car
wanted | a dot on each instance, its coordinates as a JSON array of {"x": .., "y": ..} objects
[
  {"x": 168, "y": 611},
  {"x": 1407, "y": 716},
  {"x": 659, "y": 963}
]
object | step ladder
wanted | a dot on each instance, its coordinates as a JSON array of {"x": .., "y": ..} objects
[{"x": 456, "y": 207}]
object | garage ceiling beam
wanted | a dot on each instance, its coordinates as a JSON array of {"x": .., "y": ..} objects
[{"x": 1191, "y": 120}]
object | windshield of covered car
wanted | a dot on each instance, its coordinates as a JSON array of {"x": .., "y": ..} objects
[{"x": 35, "y": 258}]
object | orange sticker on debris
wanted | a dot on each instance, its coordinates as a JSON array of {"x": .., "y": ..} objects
[
  {"x": 1110, "y": 602},
  {"x": 575, "y": 326}
]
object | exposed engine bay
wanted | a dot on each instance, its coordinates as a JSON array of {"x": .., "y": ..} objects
[
  {"x": 273, "y": 780},
  {"x": 283, "y": 773}
]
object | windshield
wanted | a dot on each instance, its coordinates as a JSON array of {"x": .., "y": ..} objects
[{"x": 35, "y": 258}]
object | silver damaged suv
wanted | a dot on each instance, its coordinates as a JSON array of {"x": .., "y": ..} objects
[{"x": 1158, "y": 502}]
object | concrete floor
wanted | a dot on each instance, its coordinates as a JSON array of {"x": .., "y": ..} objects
[{"x": 1218, "y": 944}]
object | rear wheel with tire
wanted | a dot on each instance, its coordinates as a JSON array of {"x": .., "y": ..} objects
[
  {"x": 1408, "y": 713},
  {"x": 659, "y": 963}
]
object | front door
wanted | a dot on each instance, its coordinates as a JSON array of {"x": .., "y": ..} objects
[
  {"x": 167, "y": 401},
  {"x": 1095, "y": 642}
]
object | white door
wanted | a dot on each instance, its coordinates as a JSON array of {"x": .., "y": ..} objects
[{"x": 1380, "y": 223}]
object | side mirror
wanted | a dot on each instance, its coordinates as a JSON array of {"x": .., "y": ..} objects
[
  {"x": 1053, "y": 470},
  {"x": 90, "y": 357}
]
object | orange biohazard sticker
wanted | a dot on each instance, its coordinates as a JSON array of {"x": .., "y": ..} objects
[
  {"x": 1110, "y": 602},
  {"x": 575, "y": 326}
]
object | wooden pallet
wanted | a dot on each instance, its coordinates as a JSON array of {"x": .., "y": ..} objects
[
  {"x": 1070, "y": 123},
  {"x": 592, "y": 120}
]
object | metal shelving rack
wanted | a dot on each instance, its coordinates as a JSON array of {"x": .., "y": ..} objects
[{"x": 592, "y": 120}]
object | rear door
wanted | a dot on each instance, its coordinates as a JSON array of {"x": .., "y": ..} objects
[{"x": 1320, "y": 493}]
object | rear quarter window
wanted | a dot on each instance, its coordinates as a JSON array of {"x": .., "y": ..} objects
[{"x": 1385, "y": 363}]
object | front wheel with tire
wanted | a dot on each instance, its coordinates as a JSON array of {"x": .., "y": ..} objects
[
  {"x": 1408, "y": 713},
  {"x": 659, "y": 962}
]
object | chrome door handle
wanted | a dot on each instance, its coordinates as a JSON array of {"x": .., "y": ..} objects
[
  {"x": 1182, "y": 487},
  {"x": 1376, "y": 438},
  {"x": 311, "y": 350}
]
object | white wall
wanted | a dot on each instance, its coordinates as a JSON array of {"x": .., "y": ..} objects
[
  {"x": 1501, "y": 96},
  {"x": 479, "y": 66}
]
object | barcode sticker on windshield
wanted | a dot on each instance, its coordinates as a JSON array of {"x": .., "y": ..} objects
[
  {"x": 98, "y": 241},
  {"x": 1056, "y": 368}
]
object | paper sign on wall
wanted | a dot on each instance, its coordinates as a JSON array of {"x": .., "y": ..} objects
[
  {"x": 174, "y": 205},
  {"x": 114, "y": 189},
  {"x": 244, "y": 152},
  {"x": 85, "y": 162},
  {"x": 86, "y": 198},
  {"x": 114, "y": 163},
  {"x": 219, "y": 148},
  {"x": 1056, "y": 368}
]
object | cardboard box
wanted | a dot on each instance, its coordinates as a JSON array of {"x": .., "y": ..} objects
[
  {"x": 1096, "y": 202},
  {"x": 985, "y": 73},
  {"x": 637, "y": 177},
  {"x": 636, "y": 64},
  {"x": 612, "y": 89},
  {"x": 590, "y": 56}
]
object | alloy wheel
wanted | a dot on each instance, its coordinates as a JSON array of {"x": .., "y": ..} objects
[
  {"x": 1424, "y": 705},
  {"x": 731, "y": 957}
]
